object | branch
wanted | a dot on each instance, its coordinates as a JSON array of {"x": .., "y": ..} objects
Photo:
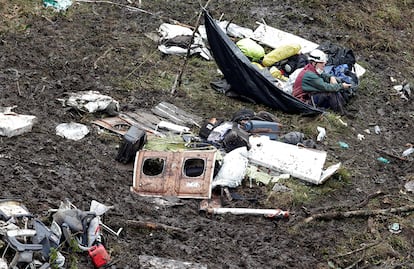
[
  {"x": 358, "y": 213},
  {"x": 178, "y": 78}
]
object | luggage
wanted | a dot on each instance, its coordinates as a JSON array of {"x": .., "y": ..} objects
[
  {"x": 133, "y": 140},
  {"x": 258, "y": 127}
]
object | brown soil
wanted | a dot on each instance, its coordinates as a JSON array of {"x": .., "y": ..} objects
[{"x": 103, "y": 47}]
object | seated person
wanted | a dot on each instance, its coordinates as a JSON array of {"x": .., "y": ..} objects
[{"x": 317, "y": 88}]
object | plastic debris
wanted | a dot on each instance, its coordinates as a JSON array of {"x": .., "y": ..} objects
[
  {"x": 322, "y": 133},
  {"x": 12, "y": 124},
  {"x": 394, "y": 228},
  {"x": 343, "y": 145},
  {"x": 73, "y": 131},
  {"x": 404, "y": 90},
  {"x": 253, "y": 172},
  {"x": 383, "y": 160},
  {"x": 174, "y": 39},
  {"x": 409, "y": 186},
  {"x": 408, "y": 151},
  {"x": 281, "y": 188},
  {"x": 233, "y": 169},
  {"x": 292, "y": 138},
  {"x": 361, "y": 137},
  {"x": 342, "y": 122},
  {"x": 172, "y": 127},
  {"x": 92, "y": 101},
  {"x": 58, "y": 4},
  {"x": 367, "y": 131},
  {"x": 377, "y": 130}
]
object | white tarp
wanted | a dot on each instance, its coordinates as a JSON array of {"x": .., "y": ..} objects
[
  {"x": 274, "y": 38},
  {"x": 303, "y": 163}
]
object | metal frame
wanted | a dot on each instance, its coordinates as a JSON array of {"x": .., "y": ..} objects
[{"x": 174, "y": 179}]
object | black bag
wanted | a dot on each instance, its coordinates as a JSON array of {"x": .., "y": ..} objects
[
  {"x": 133, "y": 140},
  {"x": 208, "y": 126},
  {"x": 235, "y": 138},
  {"x": 338, "y": 55}
]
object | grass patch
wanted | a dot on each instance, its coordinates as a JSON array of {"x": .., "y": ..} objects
[{"x": 303, "y": 193}]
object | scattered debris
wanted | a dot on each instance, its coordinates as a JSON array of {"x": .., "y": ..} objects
[
  {"x": 409, "y": 186},
  {"x": 184, "y": 174},
  {"x": 13, "y": 124},
  {"x": 175, "y": 39},
  {"x": 409, "y": 150},
  {"x": 262, "y": 177},
  {"x": 58, "y": 5},
  {"x": 280, "y": 188},
  {"x": 404, "y": 90},
  {"x": 377, "y": 130},
  {"x": 394, "y": 228},
  {"x": 215, "y": 208},
  {"x": 73, "y": 131},
  {"x": 233, "y": 169},
  {"x": 173, "y": 127},
  {"x": 343, "y": 145},
  {"x": 176, "y": 115},
  {"x": 302, "y": 163},
  {"x": 321, "y": 134},
  {"x": 274, "y": 38},
  {"x": 91, "y": 102},
  {"x": 360, "y": 137},
  {"x": 383, "y": 160},
  {"x": 29, "y": 237},
  {"x": 132, "y": 141}
]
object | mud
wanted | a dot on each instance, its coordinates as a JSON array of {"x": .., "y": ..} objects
[{"x": 104, "y": 47}]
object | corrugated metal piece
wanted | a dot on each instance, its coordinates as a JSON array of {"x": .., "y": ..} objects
[{"x": 186, "y": 174}]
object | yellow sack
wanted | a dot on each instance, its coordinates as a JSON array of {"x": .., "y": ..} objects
[
  {"x": 258, "y": 65},
  {"x": 276, "y": 73},
  {"x": 280, "y": 53},
  {"x": 251, "y": 49}
]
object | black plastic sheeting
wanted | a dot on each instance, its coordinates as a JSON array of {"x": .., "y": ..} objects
[{"x": 247, "y": 80}]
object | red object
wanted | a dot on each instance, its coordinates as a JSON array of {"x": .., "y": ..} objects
[
  {"x": 99, "y": 255},
  {"x": 280, "y": 214}
]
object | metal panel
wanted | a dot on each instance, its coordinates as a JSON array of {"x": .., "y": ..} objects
[
  {"x": 186, "y": 174},
  {"x": 303, "y": 163}
]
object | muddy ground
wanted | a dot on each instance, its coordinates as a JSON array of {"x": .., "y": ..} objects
[{"x": 105, "y": 47}]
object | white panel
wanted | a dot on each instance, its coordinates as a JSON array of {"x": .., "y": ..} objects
[{"x": 299, "y": 162}]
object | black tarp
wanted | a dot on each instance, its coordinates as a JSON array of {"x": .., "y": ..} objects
[{"x": 245, "y": 78}]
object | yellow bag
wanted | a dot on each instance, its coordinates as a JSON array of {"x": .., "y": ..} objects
[
  {"x": 276, "y": 73},
  {"x": 280, "y": 53},
  {"x": 251, "y": 49}
]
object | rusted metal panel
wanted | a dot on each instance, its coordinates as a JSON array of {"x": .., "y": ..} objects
[
  {"x": 115, "y": 124},
  {"x": 186, "y": 174}
]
